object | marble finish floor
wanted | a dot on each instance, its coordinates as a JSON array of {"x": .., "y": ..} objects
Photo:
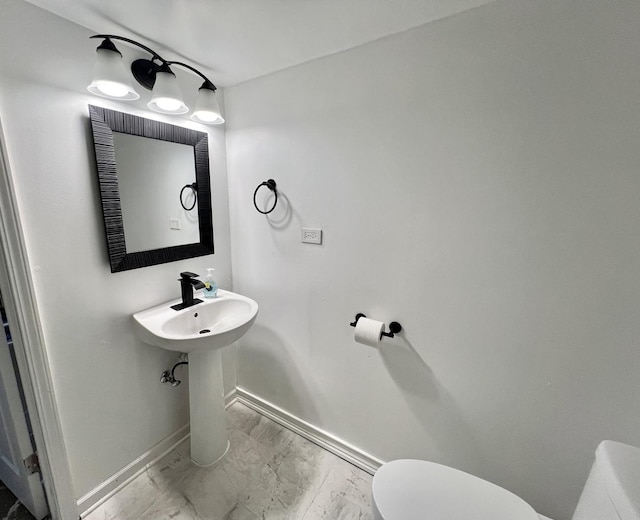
[{"x": 270, "y": 473}]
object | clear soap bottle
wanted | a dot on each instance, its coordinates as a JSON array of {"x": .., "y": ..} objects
[{"x": 210, "y": 285}]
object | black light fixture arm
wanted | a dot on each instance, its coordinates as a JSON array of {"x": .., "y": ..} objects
[
  {"x": 208, "y": 84},
  {"x": 153, "y": 53}
]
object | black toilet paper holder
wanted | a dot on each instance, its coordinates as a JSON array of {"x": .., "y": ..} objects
[{"x": 394, "y": 326}]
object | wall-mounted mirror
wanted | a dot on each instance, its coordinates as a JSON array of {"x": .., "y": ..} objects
[{"x": 155, "y": 189}]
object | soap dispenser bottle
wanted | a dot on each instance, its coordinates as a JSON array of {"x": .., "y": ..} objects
[{"x": 210, "y": 285}]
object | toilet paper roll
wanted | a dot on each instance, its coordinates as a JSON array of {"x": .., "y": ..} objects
[{"x": 368, "y": 331}]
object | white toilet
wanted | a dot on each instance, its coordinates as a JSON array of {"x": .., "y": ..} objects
[{"x": 421, "y": 490}]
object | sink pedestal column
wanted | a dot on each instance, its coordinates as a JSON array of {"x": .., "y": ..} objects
[{"x": 209, "y": 441}]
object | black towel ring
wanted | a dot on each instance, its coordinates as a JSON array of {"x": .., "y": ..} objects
[
  {"x": 194, "y": 187},
  {"x": 271, "y": 184}
]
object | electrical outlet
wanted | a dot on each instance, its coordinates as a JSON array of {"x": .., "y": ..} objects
[
  {"x": 174, "y": 223},
  {"x": 311, "y": 236}
]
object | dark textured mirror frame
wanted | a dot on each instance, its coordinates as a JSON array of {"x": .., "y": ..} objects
[{"x": 103, "y": 123}]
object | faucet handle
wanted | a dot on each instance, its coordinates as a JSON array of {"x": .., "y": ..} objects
[{"x": 186, "y": 275}]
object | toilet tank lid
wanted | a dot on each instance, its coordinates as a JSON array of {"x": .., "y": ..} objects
[{"x": 620, "y": 469}]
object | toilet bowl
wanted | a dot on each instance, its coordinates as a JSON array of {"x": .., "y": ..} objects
[{"x": 419, "y": 490}]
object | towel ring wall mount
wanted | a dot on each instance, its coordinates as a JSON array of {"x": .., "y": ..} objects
[{"x": 271, "y": 184}]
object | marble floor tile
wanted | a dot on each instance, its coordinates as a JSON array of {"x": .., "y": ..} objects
[
  {"x": 301, "y": 462},
  {"x": 172, "y": 468},
  {"x": 339, "y": 508},
  {"x": 269, "y": 473},
  {"x": 215, "y": 492},
  {"x": 350, "y": 481},
  {"x": 130, "y": 502},
  {"x": 258, "y": 427},
  {"x": 240, "y": 512},
  {"x": 246, "y": 452},
  {"x": 243, "y": 418},
  {"x": 345, "y": 494},
  {"x": 271, "y": 498},
  {"x": 143, "y": 491},
  {"x": 171, "y": 505}
]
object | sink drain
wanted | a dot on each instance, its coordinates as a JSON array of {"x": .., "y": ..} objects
[{"x": 204, "y": 331}]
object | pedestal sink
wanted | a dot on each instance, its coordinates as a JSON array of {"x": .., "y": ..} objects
[{"x": 201, "y": 331}]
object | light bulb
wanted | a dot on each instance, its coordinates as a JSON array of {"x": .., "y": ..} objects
[
  {"x": 208, "y": 117},
  {"x": 112, "y": 89},
  {"x": 168, "y": 104}
]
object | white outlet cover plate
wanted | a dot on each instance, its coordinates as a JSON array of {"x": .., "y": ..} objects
[{"x": 311, "y": 236}]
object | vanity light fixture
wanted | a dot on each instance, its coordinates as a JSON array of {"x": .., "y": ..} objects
[{"x": 111, "y": 80}]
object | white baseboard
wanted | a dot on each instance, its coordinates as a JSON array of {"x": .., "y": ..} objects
[
  {"x": 230, "y": 398},
  {"x": 118, "y": 480},
  {"x": 326, "y": 440}
]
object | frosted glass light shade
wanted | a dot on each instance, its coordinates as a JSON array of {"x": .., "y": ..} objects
[
  {"x": 207, "y": 110},
  {"x": 110, "y": 77},
  {"x": 167, "y": 98}
]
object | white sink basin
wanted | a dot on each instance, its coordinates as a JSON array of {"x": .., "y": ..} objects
[
  {"x": 201, "y": 330},
  {"x": 214, "y": 323}
]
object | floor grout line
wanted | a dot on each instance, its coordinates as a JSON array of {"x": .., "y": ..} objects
[{"x": 317, "y": 491}]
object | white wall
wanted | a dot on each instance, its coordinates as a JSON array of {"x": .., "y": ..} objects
[
  {"x": 477, "y": 180},
  {"x": 112, "y": 404}
]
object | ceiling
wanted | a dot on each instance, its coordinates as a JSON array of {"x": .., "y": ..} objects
[{"x": 237, "y": 40}]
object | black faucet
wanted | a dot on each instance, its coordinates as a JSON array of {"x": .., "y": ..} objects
[{"x": 188, "y": 283}]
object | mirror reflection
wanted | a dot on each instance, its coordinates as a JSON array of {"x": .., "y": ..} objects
[{"x": 151, "y": 175}]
